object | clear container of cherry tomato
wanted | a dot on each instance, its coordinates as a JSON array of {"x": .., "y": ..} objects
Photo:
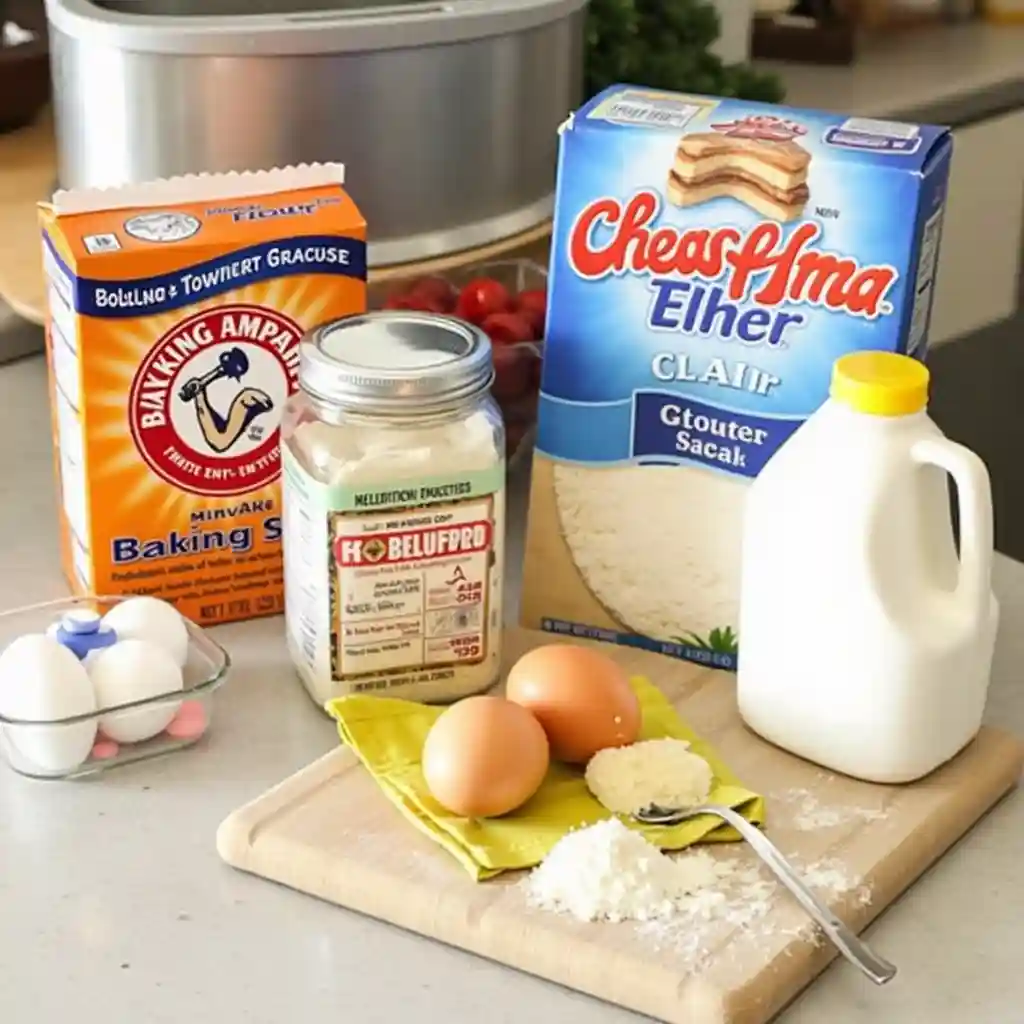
[{"x": 508, "y": 300}]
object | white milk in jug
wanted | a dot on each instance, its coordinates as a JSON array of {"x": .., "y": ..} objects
[{"x": 866, "y": 641}]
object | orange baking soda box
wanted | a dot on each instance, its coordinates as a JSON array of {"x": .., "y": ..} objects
[{"x": 175, "y": 313}]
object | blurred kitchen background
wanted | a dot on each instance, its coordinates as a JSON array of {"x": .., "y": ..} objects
[{"x": 467, "y": 97}]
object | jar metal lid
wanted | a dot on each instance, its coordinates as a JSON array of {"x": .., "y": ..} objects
[{"x": 396, "y": 361}]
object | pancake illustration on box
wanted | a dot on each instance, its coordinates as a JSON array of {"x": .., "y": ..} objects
[{"x": 766, "y": 172}]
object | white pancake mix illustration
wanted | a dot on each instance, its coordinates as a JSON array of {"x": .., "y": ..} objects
[{"x": 695, "y": 559}]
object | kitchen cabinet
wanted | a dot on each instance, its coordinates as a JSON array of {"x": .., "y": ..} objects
[{"x": 983, "y": 234}]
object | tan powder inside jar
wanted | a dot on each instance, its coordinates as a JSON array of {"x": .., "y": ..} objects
[{"x": 417, "y": 614}]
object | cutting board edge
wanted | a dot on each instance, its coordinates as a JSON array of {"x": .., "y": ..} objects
[
  {"x": 1005, "y": 779},
  {"x": 792, "y": 971},
  {"x": 237, "y": 832},
  {"x": 529, "y": 961}
]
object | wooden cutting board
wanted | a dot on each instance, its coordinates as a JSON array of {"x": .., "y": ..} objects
[{"x": 329, "y": 832}]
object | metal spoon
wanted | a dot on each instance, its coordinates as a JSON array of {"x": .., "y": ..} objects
[{"x": 842, "y": 937}]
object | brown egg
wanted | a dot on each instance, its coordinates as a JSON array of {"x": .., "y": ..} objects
[
  {"x": 485, "y": 756},
  {"x": 581, "y": 697}
]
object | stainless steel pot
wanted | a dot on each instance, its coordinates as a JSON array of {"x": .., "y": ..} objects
[{"x": 444, "y": 113}]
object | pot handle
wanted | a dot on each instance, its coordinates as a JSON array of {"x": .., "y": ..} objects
[{"x": 974, "y": 500}]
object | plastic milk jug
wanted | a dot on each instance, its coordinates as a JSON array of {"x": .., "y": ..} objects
[{"x": 866, "y": 640}]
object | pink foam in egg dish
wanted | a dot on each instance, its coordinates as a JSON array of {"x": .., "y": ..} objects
[
  {"x": 105, "y": 749},
  {"x": 189, "y": 723}
]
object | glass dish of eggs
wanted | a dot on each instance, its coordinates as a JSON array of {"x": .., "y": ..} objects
[{"x": 90, "y": 683}]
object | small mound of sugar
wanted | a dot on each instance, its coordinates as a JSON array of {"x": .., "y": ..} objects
[{"x": 661, "y": 772}]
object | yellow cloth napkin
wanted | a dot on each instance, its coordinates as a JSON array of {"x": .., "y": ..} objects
[{"x": 387, "y": 735}]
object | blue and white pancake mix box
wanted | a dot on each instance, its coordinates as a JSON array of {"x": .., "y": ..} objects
[{"x": 711, "y": 259}]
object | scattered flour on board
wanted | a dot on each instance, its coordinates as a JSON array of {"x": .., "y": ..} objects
[
  {"x": 810, "y": 814},
  {"x": 697, "y": 905},
  {"x": 737, "y": 912}
]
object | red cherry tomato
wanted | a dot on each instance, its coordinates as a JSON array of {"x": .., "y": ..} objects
[
  {"x": 533, "y": 305},
  {"x": 435, "y": 290},
  {"x": 511, "y": 373},
  {"x": 480, "y": 298},
  {"x": 535, "y": 321},
  {"x": 533, "y": 298},
  {"x": 507, "y": 329}
]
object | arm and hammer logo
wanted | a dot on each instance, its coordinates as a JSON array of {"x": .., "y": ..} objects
[
  {"x": 221, "y": 431},
  {"x": 206, "y": 403}
]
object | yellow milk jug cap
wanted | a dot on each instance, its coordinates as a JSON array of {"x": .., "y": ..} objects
[{"x": 880, "y": 383}]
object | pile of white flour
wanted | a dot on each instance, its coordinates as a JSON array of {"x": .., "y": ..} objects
[{"x": 609, "y": 873}]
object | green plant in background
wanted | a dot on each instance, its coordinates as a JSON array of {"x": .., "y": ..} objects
[
  {"x": 665, "y": 44},
  {"x": 721, "y": 641}
]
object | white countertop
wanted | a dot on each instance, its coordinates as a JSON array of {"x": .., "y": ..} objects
[
  {"x": 114, "y": 906},
  {"x": 934, "y": 71}
]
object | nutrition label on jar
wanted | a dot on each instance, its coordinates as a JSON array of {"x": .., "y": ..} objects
[{"x": 412, "y": 587}]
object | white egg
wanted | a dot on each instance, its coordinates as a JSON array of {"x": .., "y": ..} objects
[
  {"x": 148, "y": 618},
  {"x": 133, "y": 670},
  {"x": 42, "y": 681}
]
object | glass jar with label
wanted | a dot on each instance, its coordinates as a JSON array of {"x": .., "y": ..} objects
[{"x": 393, "y": 467}]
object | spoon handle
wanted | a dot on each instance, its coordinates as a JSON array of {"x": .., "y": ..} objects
[
  {"x": 842, "y": 936},
  {"x": 839, "y": 933}
]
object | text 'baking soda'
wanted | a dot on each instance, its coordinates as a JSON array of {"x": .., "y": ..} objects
[
  {"x": 710, "y": 261},
  {"x": 176, "y": 311}
]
